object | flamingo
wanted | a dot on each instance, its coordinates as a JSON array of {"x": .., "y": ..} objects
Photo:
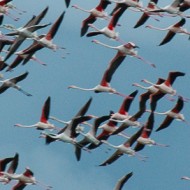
[
  {"x": 25, "y": 179},
  {"x": 22, "y": 34},
  {"x": 145, "y": 96},
  {"x": 5, "y": 41},
  {"x": 104, "y": 85},
  {"x": 46, "y": 41},
  {"x": 172, "y": 8},
  {"x": 130, "y": 121},
  {"x": 124, "y": 148},
  {"x": 144, "y": 137},
  {"x": 147, "y": 13},
  {"x": 90, "y": 137},
  {"x": 43, "y": 123},
  {"x": 123, "y": 110},
  {"x": 172, "y": 114},
  {"x": 68, "y": 133},
  {"x": 25, "y": 31},
  {"x": 12, "y": 168},
  {"x": 173, "y": 29},
  {"x": 124, "y": 4},
  {"x": 185, "y": 178},
  {"x": 122, "y": 181},
  {"x": 109, "y": 30},
  {"x": 123, "y": 50},
  {"x": 24, "y": 58},
  {"x": 97, "y": 12},
  {"x": 164, "y": 88},
  {"x": 12, "y": 82}
]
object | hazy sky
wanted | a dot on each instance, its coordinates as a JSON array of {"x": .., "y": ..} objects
[{"x": 55, "y": 164}]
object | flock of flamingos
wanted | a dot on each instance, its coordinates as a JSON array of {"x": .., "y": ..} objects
[{"x": 104, "y": 127}]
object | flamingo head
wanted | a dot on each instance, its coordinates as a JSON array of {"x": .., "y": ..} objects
[{"x": 130, "y": 45}]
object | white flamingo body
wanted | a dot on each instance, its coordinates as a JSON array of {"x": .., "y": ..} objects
[
  {"x": 61, "y": 137},
  {"x": 119, "y": 116},
  {"x": 163, "y": 87},
  {"x": 91, "y": 138},
  {"x": 108, "y": 32},
  {"x": 146, "y": 141},
  {"x": 129, "y": 3},
  {"x": 172, "y": 114},
  {"x": 128, "y": 122},
  {"x": 39, "y": 125},
  {"x": 47, "y": 43}
]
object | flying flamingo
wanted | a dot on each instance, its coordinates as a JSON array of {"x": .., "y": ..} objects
[
  {"x": 104, "y": 85},
  {"x": 46, "y": 41},
  {"x": 22, "y": 33},
  {"x": 43, "y": 123},
  {"x": 122, "y": 149},
  {"x": 185, "y": 178},
  {"x": 124, "y": 4},
  {"x": 145, "y": 96},
  {"x": 173, "y": 29},
  {"x": 130, "y": 121},
  {"x": 122, "y": 181},
  {"x": 109, "y": 30},
  {"x": 68, "y": 133},
  {"x": 172, "y": 9},
  {"x": 97, "y": 12},
  {"x": 124, "y": 108},
  {"x": 11, "y": 170},
  {"x": 12, "y": 82},
  {"x": 144, "y": 137},
  {"x": 90, "y": 137},
  {"x": 124, "y": 50},
  {"x": 25, "y": 179},
  {"x": 164, "y": 88},
  {"x": 172, "y": 114},
  {"x": 147, "y": 13},
  {"x": 24, "y": 58},
  {"x": 25, "y": 31}
]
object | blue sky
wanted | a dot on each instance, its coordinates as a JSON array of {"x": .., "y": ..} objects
[{"x": 56, "y": 164}]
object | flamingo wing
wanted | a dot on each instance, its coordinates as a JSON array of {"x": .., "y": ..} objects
[
  {"x": 84, "y": 109},
  {"x": 14, "y": 164},
  {"x": 45, "y": 110},
  {"x": 53, "y": 30},
  {"x": 167, "y": 38},
  {"x": 104, "y": 3},
  {"x": 20, "y": 77},
  {"x": 154, "y": 98},
  {"x": 15, "y": 63},
  {"x": 168, "y": 120},
  {"x": 142, "y": 20},
  {"x": 117, "y": 154},
  {"x": 113, "y": 65},
  {"x": 67, "y": 2},
  {"x": 89, "y": 20},
  {"x": 179, "y": 105},
  {"x": 122, "y": 181},
  {"x": 19, "y": 186},
  {"x": 36, "y": 19},
  {"x": 133, "y": 138},
  {"x": 127, "y": 102},
  {"x": 4, "y": 162},
  {"x": 173, "y": 75}
]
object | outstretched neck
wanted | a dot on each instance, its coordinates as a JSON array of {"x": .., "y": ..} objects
[
  {"x": 80, "y": 8},
  {"x": 79, "y": 88},
  {"x": 105, "y": 45}
]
